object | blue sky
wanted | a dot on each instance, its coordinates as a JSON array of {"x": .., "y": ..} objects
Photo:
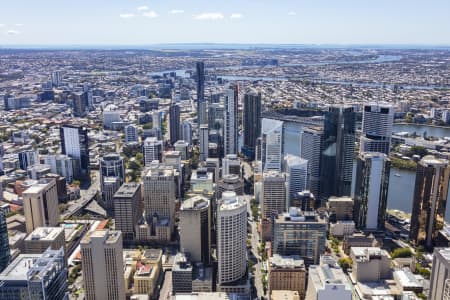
[{"x": 143, "y": 22}]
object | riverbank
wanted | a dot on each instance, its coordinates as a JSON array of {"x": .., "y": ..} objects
[
  {"x": 403, "y": 164},
  {"x": 428, "y": 125}
]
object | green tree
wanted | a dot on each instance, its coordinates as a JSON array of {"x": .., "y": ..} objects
[
  {"x": 401, "y": 252},
  {"x": 345, "y": 263}
]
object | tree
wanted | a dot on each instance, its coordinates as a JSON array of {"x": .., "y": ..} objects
[
  {"x": 148, "y": 125},
  {"x": 401, "y": 252},
  {"x": 417, "y": 150},
  {"x": 345, "y": 263}
]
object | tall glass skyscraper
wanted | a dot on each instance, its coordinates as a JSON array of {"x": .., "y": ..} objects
[
  {"x": 201, "y": 103},
  {"x": 252, "y": 122},
  {"x": 5, "y": 253},
  {"x": 338, "y": 152}
]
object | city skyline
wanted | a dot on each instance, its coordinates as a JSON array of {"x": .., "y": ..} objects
[{"x": 139, "y": 22}]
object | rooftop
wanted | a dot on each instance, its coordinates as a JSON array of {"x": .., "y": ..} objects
[
  {"x": 127, "y": 190},
  {"x": 108, "y": 236},
  {"x": 195, "y": 203},
  {"x": 44, "y": 234},
  {"x": 287, "y": 262}
]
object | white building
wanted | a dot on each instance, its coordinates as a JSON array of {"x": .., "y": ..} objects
[
  {"x": 440, "y": 275},
  {"x": 186, "y": 131},
  {"x": 231, "y": 165},
  {"x": 296, "y": 170},
  {"x": 204, "y": 142},
  {"x": 377, "y": 123},
  {"x": 272, "y": 140},
  {"x": 327, "y": 281},
  {"x": 231, "y": 238},
  {"x": 152, "y": 150},
  {"x": 109, "y": 117},
  {"x": 60, "y": 164},
  {"x": 230, "y": 122}
]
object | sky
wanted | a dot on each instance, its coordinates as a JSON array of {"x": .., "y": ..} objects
[{"x": 146, "y": 22}]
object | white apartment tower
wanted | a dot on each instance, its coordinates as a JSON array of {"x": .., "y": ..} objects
[
  {"x": 131, "y": 133},
  {"x": 377, "y": 125},
  {"x": 231, "y": 238},
  {"x": 152, "y": 150},
  {"x": 271, "y": 146},
  {"x": 231, "y": 121},
  {"x": 296, "y": 170}
]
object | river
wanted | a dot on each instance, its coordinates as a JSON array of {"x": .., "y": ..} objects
[{"x": 438, "y": 132}]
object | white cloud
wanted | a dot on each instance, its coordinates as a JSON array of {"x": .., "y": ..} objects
[
  {"x": 12, "y": 32},
  {"x": 142, "y": 8},
  {"x": 236, "y": 16},
  {"x": 176, "y": 11},
  {"x": 209, "y": 16},
  {"x": 292, "y": 13},
  {"x": 126, "y": 16},
  {"x": 2, "y": 25},
  {"x": 150, "y": 14},
  {"x": 19, "y": 24}
]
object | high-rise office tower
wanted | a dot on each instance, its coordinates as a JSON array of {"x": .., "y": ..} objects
[
  {"x": 429, "y": 201},
  {"x": 156, "y": 119},
  {"x": 296, "y": 170},
  {"x": 201, "y": 103},
  {"x": 231, "y": 121},
  {"x": 195, "y": 228},
  {"x": 128, "y": 209},
  {"x": 80, "y": 102},
  {"x": 5, "y": 254},
  {"x": 231, "y": 238},
  {"x": 231, "y": 164},
  {"x": 251, "y": 122},
  {"x": 110, "y": 117},
  {"x": 440, "y": 275},
  {"x": 186, "y": 131},
  {"x": 377, "y": 125},
  {"x": 338, "y": 151},
  {"x": 371, "y": 190},
  {"x": 102, "y": 263},
  {"x": 216, "y": 113},
  {"x": 40, "y": 205},
  {"x": 152, "y": 150},
  {"x": 273, "y": 194},
  {"x": 56, "y": 78},
  {"x": 204, "y": 142},
  {"x": 311, "y": 150},
  {"x": 271, "y": 144},
  {"x": 36, "y": 276},
  {"x": 28, "y": 158},
  {"x": 159, "y": 196},
  {"x": 112, "y": 165},
  {"x": 75, "y": 143},
  {"x": 131, "y": 133},
  {"x": 174, "y": 123},
  {"x": 60, "y": 164}
]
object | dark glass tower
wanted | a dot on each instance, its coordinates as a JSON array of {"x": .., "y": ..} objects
[
  {"x": 201, "y": 103},
  {"x": 371, "y": 190},
  {"x": 430, "y": 200},
  {"x": 252, "y": 122},
  {"x": 75, "y": 143},
  {"x": 5, "y": 253},
  {"x": 174, "y": 123},
  {"x": 338, "y": 152}
]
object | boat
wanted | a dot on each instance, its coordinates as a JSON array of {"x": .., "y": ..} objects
[{"x": 397, "y": 175}]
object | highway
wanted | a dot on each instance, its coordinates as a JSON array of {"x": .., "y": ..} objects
[{"x": 86, "y": 197}]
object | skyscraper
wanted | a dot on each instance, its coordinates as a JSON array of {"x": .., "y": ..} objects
[
  {"x": 195, "y": 228},
  {"x": 231, "y": 238},
  {"x": 80, "y": 102},
  {"x": 75, "y": 143},
  {"x": 128, "y": 209},
  {"x": 231, "y": 121},
  {"x": 5, "y": 254},
  {"x": 152, "y": 150},
  {"x": 60, "y": 164},
  {"x": 271, "y": 146},
  {"x": 28, "y": 158},
  {"x": 201, "y": 103},
  {"x": 371, "y": 190},
  {"x": 40, "y": 205},
  {"x": 440, "y": 275},
  {"x": 296, "y": 170},
  {"x": 112, "y": 165},
  {"x": 174, "y": 123},
  {"x": 338, "y": 152},
  {"x": 159, "y": 197},
  {"x": 204, "y": 142},
  {"x": 311, "y": 150},
  {"x": 429, "y": 201},
  {"x": 102, "y": 263},
  {"x": 273, "y": 194},
  {"x": 252, "y": 122},
  {"x": 377, "y": 125},
  {"x": 186, "y": 131},
  {"x": 131, "y": 133}
]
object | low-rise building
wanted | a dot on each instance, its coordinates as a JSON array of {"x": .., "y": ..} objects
[
  {"x": 44, "y": 237},
  {"x": 370, "y": 264},
  {"x": 287, "y": 273}
]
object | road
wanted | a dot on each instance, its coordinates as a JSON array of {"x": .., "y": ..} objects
[
  {"x": 86, "y": 197},
  {"x": 255, "y": 244},
  {"x": 164, "y": 294}
]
